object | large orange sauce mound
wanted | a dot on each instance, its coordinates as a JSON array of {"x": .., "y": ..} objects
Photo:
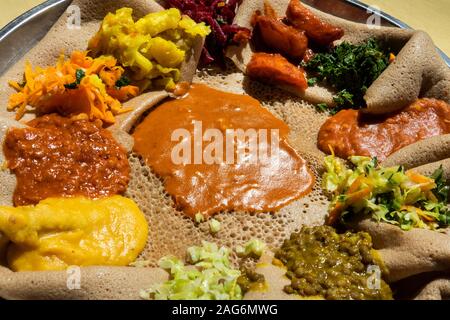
[{"x": 251, "y": 183}]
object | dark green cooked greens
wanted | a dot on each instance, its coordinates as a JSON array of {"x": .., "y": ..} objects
[{"x": 351, "y": 69}]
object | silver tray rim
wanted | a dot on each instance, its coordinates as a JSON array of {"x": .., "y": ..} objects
[
  {"x": 27, "y": 16},
  {"x": 21, "y": 20}
]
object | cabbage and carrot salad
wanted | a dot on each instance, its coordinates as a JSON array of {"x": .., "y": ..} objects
[
  {"x": 394, "y": 195},
  {"x": 80, "y": 86}
]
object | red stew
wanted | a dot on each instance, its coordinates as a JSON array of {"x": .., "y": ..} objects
[
  {"x": 350, "y": 132},
  {"x": 61, "y": 157}
]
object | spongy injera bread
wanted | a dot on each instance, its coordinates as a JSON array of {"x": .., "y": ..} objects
[{"x": 170, "y": 231}]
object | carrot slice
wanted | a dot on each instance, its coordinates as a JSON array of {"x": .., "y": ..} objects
[
  {"x": 353, "y": 195},
  {"x": 73, "y": 87}
]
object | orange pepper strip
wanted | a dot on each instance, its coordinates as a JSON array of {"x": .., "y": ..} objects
[
  {"x": 425, "y": 183},
  {"x": 420, "y": 213},
  {"x": 352, "y": 196}
]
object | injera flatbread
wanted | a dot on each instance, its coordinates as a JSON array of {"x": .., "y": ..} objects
[{"x": 170, "y": 231}]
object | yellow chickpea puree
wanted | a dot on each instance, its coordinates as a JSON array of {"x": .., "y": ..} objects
[{"x": 60, "y": 232}]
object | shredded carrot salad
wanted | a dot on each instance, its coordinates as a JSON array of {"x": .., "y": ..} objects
[{"x": 81, "y": 87}]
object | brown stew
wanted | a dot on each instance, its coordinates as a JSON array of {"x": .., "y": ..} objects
[{"x": 61, "y": 157}]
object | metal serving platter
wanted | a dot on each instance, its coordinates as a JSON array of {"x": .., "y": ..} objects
[{"x": 20, "y": 35}]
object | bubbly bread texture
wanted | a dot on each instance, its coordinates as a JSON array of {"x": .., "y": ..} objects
[
  {"x": 429, "y": 251},
  {"x": 173, "y": 232}
]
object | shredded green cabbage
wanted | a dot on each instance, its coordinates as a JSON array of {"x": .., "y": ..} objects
[
  {"x": 209, "y": 277},
  {"x": 392, "y": 195}
]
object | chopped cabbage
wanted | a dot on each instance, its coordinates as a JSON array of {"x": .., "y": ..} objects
[
  {"x": 199, "y": 218},
  {"x": 254, "y": 248},
  {"x": 209, "y": 277},
  {"x": 214, "y": 226},
  {"x": 392, "y": 195}
]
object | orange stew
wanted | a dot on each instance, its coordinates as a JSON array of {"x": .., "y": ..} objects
[
  {"x": 61, "y": 157},
  {"x": 277, "y": 70},
  {"x": 350, "y": 132},
  {"x": 212, "y": 175},
  {"x": 319, "y": 31}
]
